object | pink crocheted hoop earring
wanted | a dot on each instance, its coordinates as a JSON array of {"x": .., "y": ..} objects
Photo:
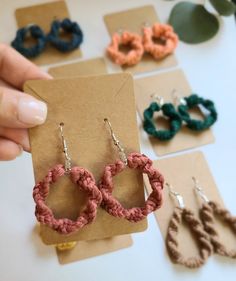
[
  {"x": 128, "y": 39},
  {"x": 79, "y": 176},
  {"x": 165, "y": 34},
  {"x": 133, "y": 161}
]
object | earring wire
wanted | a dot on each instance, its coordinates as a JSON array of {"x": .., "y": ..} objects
[
  {"x": 65, "y": 149},
  {"x": 177, "y": 99},
  {"x": 199, "y": 190},
  {"x": 178, "y": 197},
  {"x": 116, "y": 142},
  {"x": 159, "y": 99}
]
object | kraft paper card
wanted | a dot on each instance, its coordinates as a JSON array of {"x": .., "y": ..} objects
[
  {"x": 178, "y": 171},
  {"x": 92, "y": 248},
  {"x": 134, "y": 21},
  {"x": 43, "y": 15},
  {"x": 82, "y": 104},
  {"x": 83, "y": 68},
  {"x": 163, "y": 85}
]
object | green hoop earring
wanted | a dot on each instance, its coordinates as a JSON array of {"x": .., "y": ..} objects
[
  {"x": 169, "y": 111},
  {"x": 193, "y": 124}
]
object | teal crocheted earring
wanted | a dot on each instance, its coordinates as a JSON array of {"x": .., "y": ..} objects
[
  {"x": 191, "y": 102},
  {"x": 168, "y": 111}
]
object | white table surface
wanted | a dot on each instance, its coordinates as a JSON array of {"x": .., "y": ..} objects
[{"x": 211, "y": 70}]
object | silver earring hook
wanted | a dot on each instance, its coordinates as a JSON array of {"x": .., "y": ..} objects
[
  {"x": 159, "y": 99},
  {"x": 116, "y": 142},
  {"x": 65, "y": 149},
  {"x": 178, "y": 197},
  {"x": 29, "y": 25},
  {"x": 199, "y": 190},
  {"x": 177, "y": 99},
  {"x": 120, "y": 31},
  {"x": 146, "y": 24}
]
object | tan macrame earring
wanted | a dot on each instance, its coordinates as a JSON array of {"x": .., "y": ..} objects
[
  {"x": 181, "y": 213},
  {"x": 210, "y": 209}
]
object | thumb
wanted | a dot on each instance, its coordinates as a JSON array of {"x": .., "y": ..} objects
[{"x": 19, "y": 110}]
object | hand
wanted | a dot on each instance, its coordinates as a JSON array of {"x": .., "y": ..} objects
[{"x": 18, "y": 111}]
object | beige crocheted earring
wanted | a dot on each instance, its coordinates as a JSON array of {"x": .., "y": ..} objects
[
  {"x": 210, "y": 209},
  {"x": 181, "y": 213}
]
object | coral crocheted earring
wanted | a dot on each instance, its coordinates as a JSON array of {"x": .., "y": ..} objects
[
  {"x": 193, "y": 101},
  {"x": 68, "y": 27},
  {"x": 164, "y": 33},
  {"x": 210, "y": 209},
  {"x": 79, "y": 176},
  {"x": 168, "y": 111},
  {"x": 133, "y": 161},
  {"x": 36, "y": 33},
  {"x": 182, "y": 213},
  {"x": 133, "y": 40}
]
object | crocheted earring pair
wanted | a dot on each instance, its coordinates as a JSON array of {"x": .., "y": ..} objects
[
  {"x": 177, "y": 116},
  {"x": 168, "y": 41},
  {"x": 204, "y": 230},
  {"x": 100, "y": 194},
  {"x": 53, "y": 38}
]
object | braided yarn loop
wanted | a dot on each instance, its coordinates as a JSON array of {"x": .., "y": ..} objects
[
  {"x": 191, "y": 102},
  {"x": 164, "y": 33},
  {"x": 169, "y": 111},
  {"x": 207, "y": 213},
  {"x": 68, "y": 27},
  {"x": 37, "y": 33},
  {"x": 85, "y": 181},
  {"x": 106, "y": 186},
  {"x": 126, "y": 39},
  {"x": 202, "y": 238}
]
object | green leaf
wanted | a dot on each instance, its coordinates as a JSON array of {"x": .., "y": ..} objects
[
  {"x": 193, "y": 23},
  {"x": 224, "y": 7}
]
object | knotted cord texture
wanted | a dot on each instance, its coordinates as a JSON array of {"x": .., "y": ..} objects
[
  {"x": 196, "y": 227},
  {"x": 198, "y": 125},
  {"x": 106, "y": 186},
  {"x": 37, "y": 33},
  {"x": 53, "y": 38},
  {"x": 207, "y": 212},
  {"x": 85, "y": 181},
  {"x": 126, "y": 39},
  {"x": 168, "y": 40},
  {"x": 170, "y": 112}
]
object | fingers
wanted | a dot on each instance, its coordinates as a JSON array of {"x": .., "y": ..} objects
[
  {"x": 19, "y": 136},
  {"x": 19, "y": 110},
  {"x": 15, "y": 69},
  {"x": 9, "y": 150}
]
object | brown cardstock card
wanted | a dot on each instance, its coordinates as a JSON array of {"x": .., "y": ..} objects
[
  {"x": 163, "y": 85},
  {"x": 178, "y": 172},
  {"x": 87, "y": 67},
  {"x": 43, "y": 15},
  {"x": 82, "y": 104},
  {"x": 134, "y": 20},
  {"x": 92, "y": 248}
]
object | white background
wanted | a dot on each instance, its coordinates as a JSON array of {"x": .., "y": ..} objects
[{"x": 211, "y": 70}]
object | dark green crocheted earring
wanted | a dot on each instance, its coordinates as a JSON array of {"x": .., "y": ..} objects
[
  {"x": 191, "y": 102},
  {"x": 168, "y": 111}
]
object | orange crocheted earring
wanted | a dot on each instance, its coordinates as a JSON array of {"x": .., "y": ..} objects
[
  {"x": 132, "y": 40},
  {"x": 182, "y": 213},
  {"x": 210, "y": 209},
  {"x": 167, "y": 40}
]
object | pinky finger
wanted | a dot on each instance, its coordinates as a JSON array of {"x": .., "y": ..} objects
[{"x": 9, "y": 150}]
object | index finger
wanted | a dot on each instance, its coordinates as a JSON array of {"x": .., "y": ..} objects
[{"x": 16, "y": 69}]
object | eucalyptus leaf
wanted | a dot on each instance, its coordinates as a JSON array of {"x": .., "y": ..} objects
[
  {"x": 193, "y": 23},
  {"x": 224, "y": 7}
]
